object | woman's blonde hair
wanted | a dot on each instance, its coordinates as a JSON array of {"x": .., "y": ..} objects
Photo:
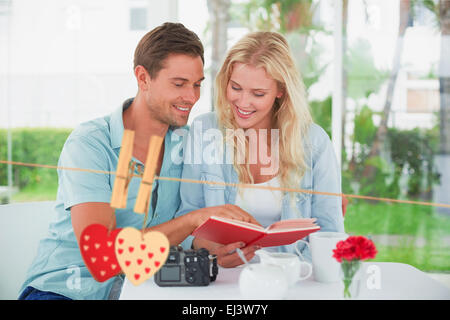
[{"x": 291, "y": 114}]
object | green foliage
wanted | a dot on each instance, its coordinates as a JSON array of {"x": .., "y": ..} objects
[
  {"x": 363, "y": 76},
  {"x": 321, "y": 113},
  {"x": 413, "y": 150},
  {"x": 37, "y": 192},
  {"x": 254, "y": 15},
  {"x": 410, "y": 151},
  {"x": 308, "y": 61},
  {"x": 33, "y": 145},
  {"x": 432, "y": 257},
  {"x": 365, "y": 129},
  {"x": 432, "y": 6},
  {"x": 403, "y": 233},
  {"x": 274, "y": 15},
  {"x": 294, "y": 19},
  {"x": 382, "y": 184}
]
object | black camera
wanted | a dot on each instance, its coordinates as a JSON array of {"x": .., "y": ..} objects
[{"x": 187, "y": 268}]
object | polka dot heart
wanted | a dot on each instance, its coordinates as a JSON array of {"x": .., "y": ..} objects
[
  {"x": 141, "y": 256},
  {"x": 97, "y": 250}
]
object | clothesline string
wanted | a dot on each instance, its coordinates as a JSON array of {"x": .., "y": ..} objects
[{"x": 238, "y": 185}]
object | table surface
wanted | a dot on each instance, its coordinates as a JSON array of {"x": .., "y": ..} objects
[{"x": 397, "y": 281}]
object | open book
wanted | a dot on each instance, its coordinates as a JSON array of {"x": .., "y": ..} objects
[{"x": 225, "y": 231}]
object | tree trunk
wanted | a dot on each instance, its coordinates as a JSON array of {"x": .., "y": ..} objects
[
  {"x": 442, "y": 160},
  {"x": 381, "y": 133},
  {"x": 218, "y": 11},
  {"x": 444, "y": 77},
  {"x": 344, "y": 71}
]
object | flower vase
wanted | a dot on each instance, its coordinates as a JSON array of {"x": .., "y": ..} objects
[{"x": 351, "y": 278}]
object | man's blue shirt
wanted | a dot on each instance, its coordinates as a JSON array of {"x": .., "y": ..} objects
[{"x": 58, "y": 265}]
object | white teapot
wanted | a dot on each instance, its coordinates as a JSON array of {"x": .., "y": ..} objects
[{"x": 263, "y": 281}]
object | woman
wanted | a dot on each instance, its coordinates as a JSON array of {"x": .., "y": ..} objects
[{"x": 262, "y": 111}]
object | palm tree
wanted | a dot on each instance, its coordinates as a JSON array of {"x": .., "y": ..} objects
[
  {"x": 344, "y": 72},
  {"x": 380, "y": 136},
  {"x": 441, "y": 11},
  {"x": 444, "y": 76},
  {"x": 218, "y": 11},
  {"x": 294, "y": 19}
]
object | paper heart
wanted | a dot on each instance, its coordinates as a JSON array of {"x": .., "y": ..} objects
[
  {"x": 140, "y": 256},
  {"x": 97, "y": 249}
]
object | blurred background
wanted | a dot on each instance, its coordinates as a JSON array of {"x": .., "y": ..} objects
[{"x": 377, "y": 74}]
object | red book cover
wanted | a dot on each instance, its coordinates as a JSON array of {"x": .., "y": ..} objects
[{"x": 225, "y": 231}]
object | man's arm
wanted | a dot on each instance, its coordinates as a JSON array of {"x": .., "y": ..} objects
[
  {"x": 85, "y": 214},
  {"x": 176, "y": 230},
  {"x": 180, "y": 227},
  {"x": 86, "y": 195}
]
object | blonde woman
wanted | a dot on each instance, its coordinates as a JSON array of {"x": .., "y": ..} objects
[{"x": 261, "y": 133}]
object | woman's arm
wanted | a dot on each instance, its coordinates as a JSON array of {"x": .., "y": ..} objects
[{"x": 326, "y": 178}]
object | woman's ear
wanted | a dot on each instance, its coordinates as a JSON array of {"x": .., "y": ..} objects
[{"x": 280, "y": 94}]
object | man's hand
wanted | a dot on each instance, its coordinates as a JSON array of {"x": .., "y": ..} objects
[{"x": 227, "y": 256}]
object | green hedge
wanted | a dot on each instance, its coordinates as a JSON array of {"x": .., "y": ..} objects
[{"x": 32, "y": 145}]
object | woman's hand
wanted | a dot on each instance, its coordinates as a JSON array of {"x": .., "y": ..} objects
[{"x": 227, "y": 256}]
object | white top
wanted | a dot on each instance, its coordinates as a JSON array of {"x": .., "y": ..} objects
[{"x": 263, "y": 204}]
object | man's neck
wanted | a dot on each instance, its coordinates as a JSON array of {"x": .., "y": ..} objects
[{"x": 137, "y": 117}]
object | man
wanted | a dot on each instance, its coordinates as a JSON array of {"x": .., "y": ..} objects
[{"x": 168, "y": 65}]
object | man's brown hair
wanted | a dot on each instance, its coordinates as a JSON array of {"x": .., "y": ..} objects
[{"x": 168, "y": 38}]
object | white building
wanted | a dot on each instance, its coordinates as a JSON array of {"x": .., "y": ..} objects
[{"x": 63, "y": 62}]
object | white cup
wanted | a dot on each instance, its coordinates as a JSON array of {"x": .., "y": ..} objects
[
  {"x": 321, "y": 245},
  {"x": 289, "y": 262}
]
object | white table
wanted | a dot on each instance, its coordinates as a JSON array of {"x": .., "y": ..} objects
[{"x": 398, "y": 281}]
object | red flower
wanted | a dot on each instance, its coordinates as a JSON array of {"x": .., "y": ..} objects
[{"x": 354, "y": 248}]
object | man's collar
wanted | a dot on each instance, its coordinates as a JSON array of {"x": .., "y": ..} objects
[{"x": 117, "y": 127}]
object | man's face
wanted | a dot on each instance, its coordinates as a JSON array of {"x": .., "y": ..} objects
[{"x": 175, "y": 89}]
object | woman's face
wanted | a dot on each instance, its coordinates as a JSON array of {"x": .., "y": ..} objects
[{"x": 251, "y": 93}]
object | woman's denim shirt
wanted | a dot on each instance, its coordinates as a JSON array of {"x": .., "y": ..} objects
[{"x": 206, "y": 159}]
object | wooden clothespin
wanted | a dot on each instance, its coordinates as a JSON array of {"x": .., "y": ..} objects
[
  {"x": 123, "y": 176},
  {"x": 145, "y": 189}
]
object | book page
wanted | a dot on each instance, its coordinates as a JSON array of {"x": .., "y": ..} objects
[
  {"x": 239, "y": 223},
  {"x": 290, "y": 224}
]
